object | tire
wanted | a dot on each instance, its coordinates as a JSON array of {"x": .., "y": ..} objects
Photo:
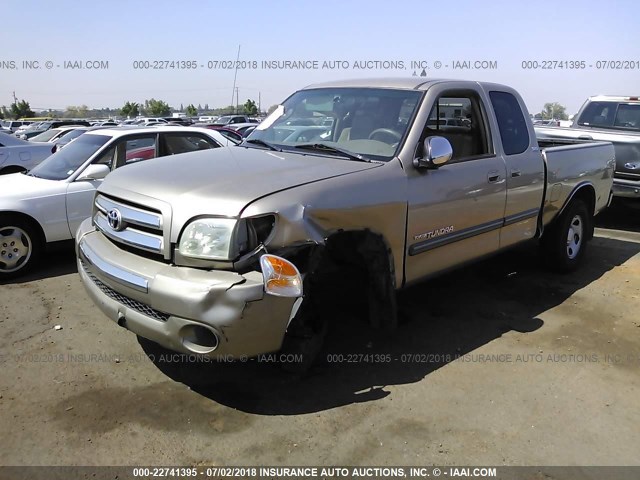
[
  {"x": 21, "y": 246},
  {"x": 565, "y": 242},
  {"x": 304, "y": 344}
]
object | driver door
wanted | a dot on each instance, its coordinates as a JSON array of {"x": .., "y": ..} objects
[{"x": 455, "y": 211}]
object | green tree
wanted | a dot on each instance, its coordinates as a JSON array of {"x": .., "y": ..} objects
[
  {"x": 2, "y": 110},
  {"x": 21, "y": 109},
  {"x": 250, "y": 107},
  {"x": 554, "y": 110},
  {"x": 191, "y": 111},
  {"x": 157, "y": 108},
  {"x": 271, "y": 109},
  {"x": 130, "y": 109},
  {"x": 72, "y": 111}
]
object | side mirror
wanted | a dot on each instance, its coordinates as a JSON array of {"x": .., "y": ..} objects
[
  {"x": 437, "y": 152},
  {"x": 95, "y": 171}
]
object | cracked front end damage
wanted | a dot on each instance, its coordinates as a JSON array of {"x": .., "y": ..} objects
[
  {"x": 355, "y": 223},
  {"x": 215, "y": 313}
]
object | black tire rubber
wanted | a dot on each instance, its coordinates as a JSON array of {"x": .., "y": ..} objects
[
  {"x": 304, "y": 345},
  {"x": 36, "y": 242},
  {"x": 555, "y": 238},
  {"x": 12, "y": 169}
]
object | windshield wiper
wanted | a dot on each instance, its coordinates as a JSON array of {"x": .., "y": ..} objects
[
  {"x": 257, "y": 141},
  {"x": 323, "y": 147}
]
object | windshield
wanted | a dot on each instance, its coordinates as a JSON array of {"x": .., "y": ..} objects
[
  {"x": 222, "y": 121},
  {"x": 46, "y": 136},
  {"x": 67, "y": 137},
  {"x": 62, "y": 164},
  {"x": 366, "y": 121}
]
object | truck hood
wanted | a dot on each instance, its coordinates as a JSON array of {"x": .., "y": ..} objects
[{"x": 221, "y": 181}]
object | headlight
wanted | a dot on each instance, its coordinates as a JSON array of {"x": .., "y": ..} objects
[{"x": 208, "y": 238}]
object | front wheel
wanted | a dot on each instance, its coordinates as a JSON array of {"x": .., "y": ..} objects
[
  {"x": 20, "y": 247},
  {"x": 565, "y": 242}
]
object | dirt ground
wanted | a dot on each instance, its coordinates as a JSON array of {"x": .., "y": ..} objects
[{"x": 501, "y": 363}]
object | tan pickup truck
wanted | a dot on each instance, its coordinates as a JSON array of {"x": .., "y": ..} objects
[{"x": 231, "y": 252}]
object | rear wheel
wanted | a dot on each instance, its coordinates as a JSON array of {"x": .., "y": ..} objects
[
  {"x": 20, "y": 247},
  {"x": 564, "y": 243}
]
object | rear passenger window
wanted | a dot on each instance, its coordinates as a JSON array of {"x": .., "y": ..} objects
[
  {"x": 137, "y": 149},
  {"x": 511, "y": 122},
  {"x": 177, "y": 143}
]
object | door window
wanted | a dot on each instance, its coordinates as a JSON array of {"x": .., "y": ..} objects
[{"x": 459, "y": 118}]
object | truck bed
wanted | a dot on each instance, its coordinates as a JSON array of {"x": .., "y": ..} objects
[{"x": 570, "y": 164}]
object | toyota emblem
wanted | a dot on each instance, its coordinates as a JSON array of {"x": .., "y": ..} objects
[{"x": 114, "y": 217}]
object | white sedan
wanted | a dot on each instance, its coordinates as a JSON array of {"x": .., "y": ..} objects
[{"x": 48, "y": 204}]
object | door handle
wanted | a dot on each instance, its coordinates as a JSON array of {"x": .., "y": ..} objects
[
  {"x": 516, "y": 173},
  {"x": 585, "y": 137},
  {"x": 493, "y": 176}
]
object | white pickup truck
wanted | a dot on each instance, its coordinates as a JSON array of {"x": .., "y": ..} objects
[
  {"x": 233, "y": 251},
  {"x": 607, "y": 118}
]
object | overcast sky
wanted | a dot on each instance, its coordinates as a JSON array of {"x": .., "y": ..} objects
[{"x": 122, "y": 32}]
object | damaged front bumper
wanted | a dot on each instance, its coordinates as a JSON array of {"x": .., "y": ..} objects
[{"x": 214, "y": 313}]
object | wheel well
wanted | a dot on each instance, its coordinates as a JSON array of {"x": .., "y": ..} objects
[
  {"x": 12, "y": 169},
  {"x": 27, "y": 219},
  {"x": 588, "y": 195},
  {"x": 353, "y": 273}
]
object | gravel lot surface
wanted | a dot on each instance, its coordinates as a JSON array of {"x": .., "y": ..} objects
[{"x": 498, "y": 363}]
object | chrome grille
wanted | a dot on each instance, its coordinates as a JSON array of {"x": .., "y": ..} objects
[
  {"x": 131, "y": 225},
  {"x": 124, "y": 300}
]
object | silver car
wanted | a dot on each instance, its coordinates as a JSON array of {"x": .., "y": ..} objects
[{"x": 19, "y": 155}]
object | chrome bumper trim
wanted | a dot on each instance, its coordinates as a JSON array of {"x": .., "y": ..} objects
[{"x": 112, "y": 272}]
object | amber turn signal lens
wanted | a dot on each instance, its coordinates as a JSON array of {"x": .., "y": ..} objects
[{"x": 281, "y": 277}]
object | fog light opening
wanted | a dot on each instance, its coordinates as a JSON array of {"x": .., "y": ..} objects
[{"x": 198, "y": 339}]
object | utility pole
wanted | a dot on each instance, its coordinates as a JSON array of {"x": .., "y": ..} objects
[
  {"x": 235, "y": 76},
  {"x": 259, "y": 103},
  {"x": 15, "y": 99},
  {"x": 237, "y": 101}
]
